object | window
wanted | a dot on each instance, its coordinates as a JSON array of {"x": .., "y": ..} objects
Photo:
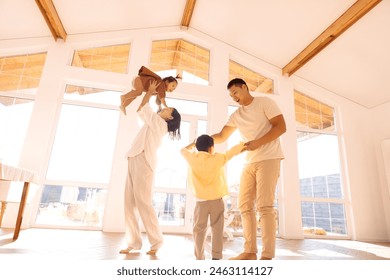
[
  {"x": 172, "y": 199},
  {"x": 172, "y": 57},
  {"x": 92, "y": 95},
  {"x": 188, "y": 107},
  {"x": 311, "y": 114},
  {"x": 21, "y": 73},
  {"x": 170, "y": 208},
  {"x": 254, "y": 81},
  {"x": 71, "y": 206},
  {"x": 234, "y": 166},
  {"x": 84, "y": 145},
  {"x": 233, "y": 174},
  {"x": 322, "y": 195},
  {"x": 109, "y": 58},
  {"x": 170, "y": 182},
  {"x": 79, "y": 169},
  {"x": 15, "y": 114}
]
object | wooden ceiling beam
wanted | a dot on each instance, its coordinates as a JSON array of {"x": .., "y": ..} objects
[
  {"x": 187, "y": 14},
  {"x": 346, "y": 20},
  {"x": 52, "y": 19}
]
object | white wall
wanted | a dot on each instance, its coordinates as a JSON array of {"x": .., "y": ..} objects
[
  {"x": 361, "y": 128},
  {"x": 381, "y": 115}
]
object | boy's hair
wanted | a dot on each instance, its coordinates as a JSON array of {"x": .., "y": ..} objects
[
  {"x": 174, "y": 125},
  {"x": 204, "y": 143},
  {"x": 236, "y": 82}
]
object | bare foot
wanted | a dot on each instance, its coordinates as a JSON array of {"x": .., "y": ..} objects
[
  {"x": 127, "y": 251},
  {"x": 245, "y": 256},
  {"x": 152, "y": 252}
]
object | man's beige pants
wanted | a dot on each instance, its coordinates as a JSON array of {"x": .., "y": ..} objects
[
  {"x": 257, "y": 193},
  {"x": 138, "y": 203}
]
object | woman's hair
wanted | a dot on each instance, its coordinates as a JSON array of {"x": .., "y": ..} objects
[
  {"x": 204, "y": 143},
  {"x": 174, "y": 125},
  {"x": 171, "y": 79}
]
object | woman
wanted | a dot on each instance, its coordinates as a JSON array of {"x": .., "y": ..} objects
[{"x": 141, "y": 164}]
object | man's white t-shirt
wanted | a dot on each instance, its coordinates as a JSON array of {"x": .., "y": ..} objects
[
  {"x": 252, "y": 121},
  {"x": 149, "y": 137}
]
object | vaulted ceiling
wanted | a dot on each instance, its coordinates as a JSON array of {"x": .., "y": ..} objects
[{"x": 340, "y": 45}]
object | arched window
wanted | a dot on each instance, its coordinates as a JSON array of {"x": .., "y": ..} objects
[
  {"x": 21, "y": 73},
  {"x": 107, "y": 58},
  {"x": 256, "y": 82},
  {"x": 177, "y": 56}
]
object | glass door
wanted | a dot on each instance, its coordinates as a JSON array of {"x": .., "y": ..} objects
[
  {"x": 75, "y": 187},
  {"x": 172, "y": 200}
]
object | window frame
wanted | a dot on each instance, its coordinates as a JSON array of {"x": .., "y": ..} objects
[
  {"x": 66, "y": 183},
  {"x": 345, "y": 200}
]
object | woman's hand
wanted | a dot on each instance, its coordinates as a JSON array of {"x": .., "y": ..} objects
[
  {"x": 148, "y": 94},
  {"x": 153, "y": 87}
]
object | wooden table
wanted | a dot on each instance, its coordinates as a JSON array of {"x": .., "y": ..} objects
[{"x": 11, "y": 173}]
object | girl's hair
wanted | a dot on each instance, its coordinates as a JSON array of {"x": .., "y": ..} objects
[
  {"x": 204, "y": 143},
  {"x": 171, "y": 79},
  {"x": 174, "y": 125}
]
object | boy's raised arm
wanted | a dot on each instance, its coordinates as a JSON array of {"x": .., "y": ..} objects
[
  {"x": 186, "y": 151},
  {"x": 190, "y": 146}
]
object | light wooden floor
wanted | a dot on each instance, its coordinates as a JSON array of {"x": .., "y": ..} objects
[{"x": 97, "y": 245}]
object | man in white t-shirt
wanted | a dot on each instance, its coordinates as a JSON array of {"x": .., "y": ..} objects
[
  {"x": 141, "y": 164},
  {"x": 260, "y": 123}
]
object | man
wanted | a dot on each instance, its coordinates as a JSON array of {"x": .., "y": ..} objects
[{"x": 260, "y": 123}]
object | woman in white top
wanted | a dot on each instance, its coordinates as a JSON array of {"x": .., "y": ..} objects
[{"x": 141, "y": 166}]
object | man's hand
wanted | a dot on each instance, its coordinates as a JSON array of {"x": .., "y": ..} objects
[{"x": 251, "y": 145}]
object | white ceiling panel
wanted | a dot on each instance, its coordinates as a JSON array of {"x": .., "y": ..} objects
[
  {"x": 89, "y": 16},
  {"x": 274, "y": 31},
  {"x": 21, "y": 19},
  {"x": 356, "y": 65}
]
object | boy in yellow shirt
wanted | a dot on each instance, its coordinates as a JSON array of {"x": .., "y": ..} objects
[{"x": 207, "y": 181}]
